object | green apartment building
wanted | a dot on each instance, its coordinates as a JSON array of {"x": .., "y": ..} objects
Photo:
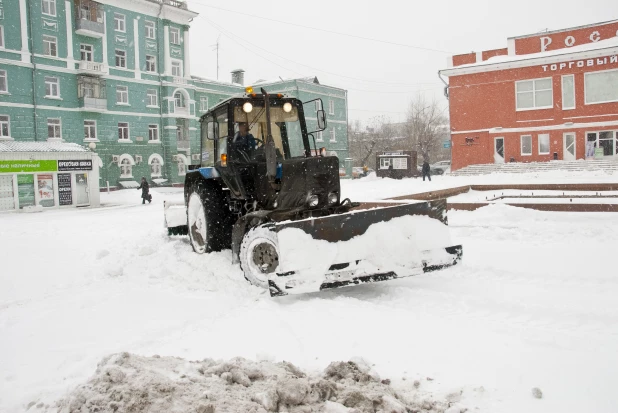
[{"x": 114, "y": 76}]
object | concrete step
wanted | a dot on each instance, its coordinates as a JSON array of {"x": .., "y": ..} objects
[{"x": 521, "y": 167}]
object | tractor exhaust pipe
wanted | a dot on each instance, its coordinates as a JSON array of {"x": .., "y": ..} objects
[{"x": 269, "y": 150}]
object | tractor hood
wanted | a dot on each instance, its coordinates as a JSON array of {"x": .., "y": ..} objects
[{"x": 302, "y": 178}]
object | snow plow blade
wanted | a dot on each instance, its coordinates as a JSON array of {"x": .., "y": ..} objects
[{"x": 378, "y": 243}]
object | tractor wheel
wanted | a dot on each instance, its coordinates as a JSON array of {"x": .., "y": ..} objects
[
  {"x": 208, "y": 219},
  {"x": 259, "y": 255}
]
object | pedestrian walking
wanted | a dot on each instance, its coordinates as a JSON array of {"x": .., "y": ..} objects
[
  {"x": 426, "y": 171},
  {"x": 145, "y": 191}
]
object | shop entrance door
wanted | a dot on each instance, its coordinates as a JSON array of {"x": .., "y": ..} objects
[
  {"x": 569, "y": 147},
  {"x": 498, "y": 150},
  {"x": 7, "y": 196},
  {"x": 82, "y": 193}
]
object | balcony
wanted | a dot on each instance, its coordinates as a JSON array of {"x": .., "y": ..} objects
[
  {"x": 89, "y": 18},
  {"x": 89, "y": 28},
  {"x": 92, "y": 68},
  {"x": 94, "y": 104},
  {"x": 179, "y": 80},
  {"x": 173, "y": 3}
]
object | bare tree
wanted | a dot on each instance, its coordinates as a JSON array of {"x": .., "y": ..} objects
[
  {"x": 378, "y": 135},
  {"x": 425, "y": 126}
]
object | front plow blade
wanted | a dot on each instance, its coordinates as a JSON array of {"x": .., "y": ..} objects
[{"x": 370, "y": 245}]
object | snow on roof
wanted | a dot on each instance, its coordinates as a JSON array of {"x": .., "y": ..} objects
[
  {"x": 40, "y": 147},
  {"x": 601, "y": 44}
]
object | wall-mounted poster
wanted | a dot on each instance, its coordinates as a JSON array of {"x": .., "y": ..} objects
[
  {"x": 45, "y": 188},
  {"x": 25, "y": 190},
  {"x": 65, "y": 195}
]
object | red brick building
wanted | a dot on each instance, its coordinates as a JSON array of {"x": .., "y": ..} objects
[{"x": 546, "y": 96}]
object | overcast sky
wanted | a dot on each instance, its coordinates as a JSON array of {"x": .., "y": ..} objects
[{"x": 381, "y": 77}]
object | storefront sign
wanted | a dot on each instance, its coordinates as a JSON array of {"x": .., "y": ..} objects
[
  {"x": 65, "y": 195},
  {"x": 600, "y": 61},
  {"x": 28, "y": 166},
  {"x": 25, "y": 190},
  {"x": 79, "y": 165}
]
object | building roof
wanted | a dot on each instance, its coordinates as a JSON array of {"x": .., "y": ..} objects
[
  {"x": 583, "y": 51},
  {"x": 40, "y": 147}
]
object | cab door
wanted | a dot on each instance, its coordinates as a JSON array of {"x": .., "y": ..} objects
[{"x": 227, "y": 170}]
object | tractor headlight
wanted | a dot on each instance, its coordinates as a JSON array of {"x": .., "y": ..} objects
[
  {"x": 332, "y": 198},
  {"x": 247, "y": 107},
  {"x": 287, "y": 107},
  {"x": 312, "y": 201}
]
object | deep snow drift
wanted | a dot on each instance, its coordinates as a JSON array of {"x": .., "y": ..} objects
[
  {"x": 130, "y": 383},
  {"x": 532, "y": 305}
]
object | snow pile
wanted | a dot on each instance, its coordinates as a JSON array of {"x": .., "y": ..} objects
[{"x": 128, "y": 383}]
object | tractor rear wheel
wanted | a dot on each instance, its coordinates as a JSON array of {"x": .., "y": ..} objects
[{"x": 208, "y": 218}]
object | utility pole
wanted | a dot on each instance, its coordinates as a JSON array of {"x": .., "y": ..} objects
[{"x": 216, "y": 47}]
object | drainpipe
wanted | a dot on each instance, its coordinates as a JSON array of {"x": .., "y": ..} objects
[
  {"x": 160, "y": 101},
  {"x": 445, "y": 85},
  {"x": 31, "y": 46}
]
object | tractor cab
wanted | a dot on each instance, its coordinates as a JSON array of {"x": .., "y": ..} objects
[{"x": 260, "y": 148}]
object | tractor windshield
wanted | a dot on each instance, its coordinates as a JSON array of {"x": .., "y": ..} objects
[{"x": 285, "y": 126}]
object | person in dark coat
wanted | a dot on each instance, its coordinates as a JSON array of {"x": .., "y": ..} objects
[
  {"x": 426, "y": 171},
  {"x": 145, "y": 191}
]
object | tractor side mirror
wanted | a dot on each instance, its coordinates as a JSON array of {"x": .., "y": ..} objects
[{"x": 321, "y": 115}]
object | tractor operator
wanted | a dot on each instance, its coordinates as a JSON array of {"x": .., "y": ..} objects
[{"x": 244, "y": 141}]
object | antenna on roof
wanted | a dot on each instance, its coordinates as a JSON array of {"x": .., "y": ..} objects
[
  {"x": 281, "y": 78},
  {"x": 216, "y": 47}
]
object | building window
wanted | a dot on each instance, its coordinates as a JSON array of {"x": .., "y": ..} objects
[
  {"x": 48, "y": 7},
  {"x": 601, "y": 87},
  {"x": 52, "y": 87},
  {"x": 526, "y": 145},
  {"x": 174, "y": 35},
  {"x": 150, "y": 29},
  {"x": 90, "y": 130},
  {"x": 3, "y": 83},
  {"x": 151, "y": 97},
  {"x": 176, "y": 68},
  {"x": 153, "y": 133},
  {"x": 123, "y": 131},
  {"x": 5, "y": 123},
  {"x": 119, "y": 22},
  {"x": 534, "y": 94},
  {"x": 126, "y": 169},
  {"x": 204, "y": 103},
  {"x": 86, "y": 52},
  {"x": 385, "y": 163},
  {"x": 319, "y": 137},
  {"x": 151, "y": 64},
  {"x": 331, "y": 107},
  {"x": 333, "y": 138},
  {"x": 568, "y": 92},
  {"x": 1, "y": 36},
  {"x": 50, "y": 46},
  {"x": 122, "y": 95},
  {"x": 179, "y": 100},
  {"x": 121, "y": 58},
  {"x": 155, "y": 167},
  {"x": 607, "y": 140},
  {"x": 544, "y": 144},
  {"x": 182, "y": 166},
  {"x": 54, "y": 130}
]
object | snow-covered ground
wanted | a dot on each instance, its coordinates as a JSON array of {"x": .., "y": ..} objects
[{"x": 533, "y": 304}]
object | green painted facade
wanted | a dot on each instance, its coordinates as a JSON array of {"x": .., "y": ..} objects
[{"x": 92, "y": 73}]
